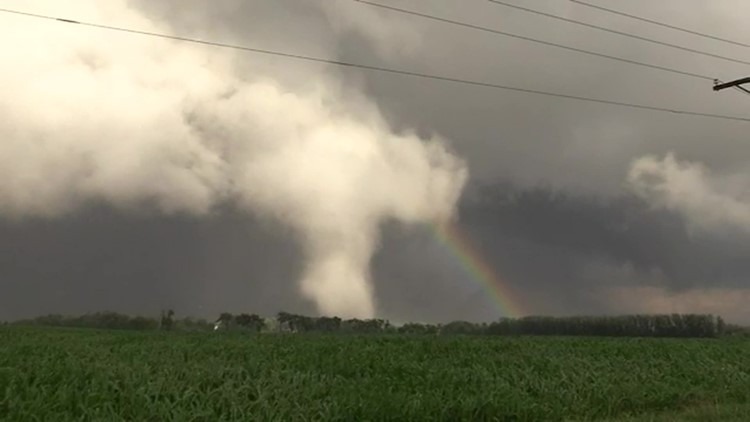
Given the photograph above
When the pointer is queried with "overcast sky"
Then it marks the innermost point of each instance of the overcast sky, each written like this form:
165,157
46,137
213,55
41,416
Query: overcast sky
580,207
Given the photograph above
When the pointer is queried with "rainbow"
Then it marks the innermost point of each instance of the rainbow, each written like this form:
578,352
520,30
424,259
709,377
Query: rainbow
503,297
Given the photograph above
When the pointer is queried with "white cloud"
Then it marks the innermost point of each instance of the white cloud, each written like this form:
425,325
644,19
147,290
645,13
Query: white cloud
134,121
706,201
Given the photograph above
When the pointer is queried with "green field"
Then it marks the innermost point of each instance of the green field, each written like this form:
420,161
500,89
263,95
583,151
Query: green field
78,374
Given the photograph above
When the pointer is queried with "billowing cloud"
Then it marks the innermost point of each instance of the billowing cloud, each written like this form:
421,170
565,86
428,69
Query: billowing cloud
135,122
706,201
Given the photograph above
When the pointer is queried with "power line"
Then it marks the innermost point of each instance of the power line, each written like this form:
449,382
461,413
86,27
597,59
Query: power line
381,69
625,34
662,24
534,40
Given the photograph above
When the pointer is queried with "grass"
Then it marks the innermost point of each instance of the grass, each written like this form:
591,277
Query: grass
69,374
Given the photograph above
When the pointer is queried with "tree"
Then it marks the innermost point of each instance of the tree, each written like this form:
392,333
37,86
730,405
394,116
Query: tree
418,328
142,323
295,323
167,319
461,327
225,320
364,325
327,324
285,320
252,322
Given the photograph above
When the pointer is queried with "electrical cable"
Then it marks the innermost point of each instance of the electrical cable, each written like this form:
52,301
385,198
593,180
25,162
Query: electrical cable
662,24
380,69
625,34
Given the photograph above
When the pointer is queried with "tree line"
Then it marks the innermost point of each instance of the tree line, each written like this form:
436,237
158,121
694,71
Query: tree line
672,325
666,325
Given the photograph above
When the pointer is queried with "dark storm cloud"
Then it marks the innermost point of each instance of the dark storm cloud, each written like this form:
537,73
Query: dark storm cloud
104,260
559,253
542,243
547,204
530,140
563,225
622,231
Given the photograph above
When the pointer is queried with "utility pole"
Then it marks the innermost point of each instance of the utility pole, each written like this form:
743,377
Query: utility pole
718,85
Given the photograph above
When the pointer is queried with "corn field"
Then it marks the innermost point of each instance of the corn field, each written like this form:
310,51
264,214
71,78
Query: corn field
59,374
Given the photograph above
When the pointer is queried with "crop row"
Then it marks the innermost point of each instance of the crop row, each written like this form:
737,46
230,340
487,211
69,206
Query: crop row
66,374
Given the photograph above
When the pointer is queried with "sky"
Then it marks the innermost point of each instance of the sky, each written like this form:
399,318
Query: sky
138,174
